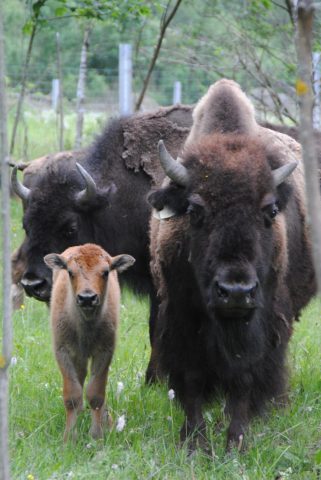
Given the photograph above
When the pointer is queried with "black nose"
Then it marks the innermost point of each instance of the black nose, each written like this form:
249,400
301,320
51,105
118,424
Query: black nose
236,296
37,287
87,299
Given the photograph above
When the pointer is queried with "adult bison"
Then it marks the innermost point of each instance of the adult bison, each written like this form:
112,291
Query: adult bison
98,196
231,261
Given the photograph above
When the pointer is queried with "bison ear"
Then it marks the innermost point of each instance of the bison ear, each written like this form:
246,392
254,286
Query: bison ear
168,202
121,263
55,261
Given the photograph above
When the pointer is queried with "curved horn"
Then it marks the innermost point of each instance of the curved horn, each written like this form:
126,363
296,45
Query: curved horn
19,189
281,173
90,192
173,169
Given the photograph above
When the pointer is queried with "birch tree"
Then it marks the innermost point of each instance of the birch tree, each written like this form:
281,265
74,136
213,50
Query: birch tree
5,355
81,88
304,88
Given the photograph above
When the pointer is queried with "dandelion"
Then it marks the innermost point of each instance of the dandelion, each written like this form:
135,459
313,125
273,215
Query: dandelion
121,422
171,394
120,388
22,306
30,477
13,361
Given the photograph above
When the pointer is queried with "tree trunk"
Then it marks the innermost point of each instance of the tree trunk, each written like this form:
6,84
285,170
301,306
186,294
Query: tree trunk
81,89
23,88
164,24
60,103
5,356
305,14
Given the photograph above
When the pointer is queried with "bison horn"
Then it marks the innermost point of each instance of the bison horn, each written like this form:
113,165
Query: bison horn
90,192
281,173
19,189
173,169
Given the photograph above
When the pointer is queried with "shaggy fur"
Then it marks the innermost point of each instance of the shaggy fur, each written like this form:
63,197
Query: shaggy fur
84,310
225,226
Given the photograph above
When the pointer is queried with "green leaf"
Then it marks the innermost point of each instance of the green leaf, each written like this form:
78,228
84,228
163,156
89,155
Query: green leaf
27,28
61,11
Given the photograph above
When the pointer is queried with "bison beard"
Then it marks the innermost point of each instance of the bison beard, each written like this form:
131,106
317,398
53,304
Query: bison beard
224,262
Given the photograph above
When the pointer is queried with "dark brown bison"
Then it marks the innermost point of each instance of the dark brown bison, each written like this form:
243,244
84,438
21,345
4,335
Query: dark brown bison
100,198
84,308
231,261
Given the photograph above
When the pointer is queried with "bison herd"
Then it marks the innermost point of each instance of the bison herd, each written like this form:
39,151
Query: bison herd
215,220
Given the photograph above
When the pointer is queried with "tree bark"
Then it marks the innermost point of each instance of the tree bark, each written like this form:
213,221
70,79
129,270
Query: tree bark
5,356
305,15
164,24
60,103
81,88
23,88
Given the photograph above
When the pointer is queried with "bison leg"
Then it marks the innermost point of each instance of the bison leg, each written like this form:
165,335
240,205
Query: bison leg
194,428
96,393
238,408
73,380
73,404
152,372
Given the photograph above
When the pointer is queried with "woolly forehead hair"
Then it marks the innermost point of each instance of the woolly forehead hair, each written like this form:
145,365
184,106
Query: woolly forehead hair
224,108
216,156
89,254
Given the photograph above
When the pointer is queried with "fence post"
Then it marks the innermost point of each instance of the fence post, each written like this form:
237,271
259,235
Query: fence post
177,92
316,58
125,79
55,87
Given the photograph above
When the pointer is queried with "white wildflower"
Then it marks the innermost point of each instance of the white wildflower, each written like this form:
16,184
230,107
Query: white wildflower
114,466
89,445
169,418
171,394
13,361
121,422
120,388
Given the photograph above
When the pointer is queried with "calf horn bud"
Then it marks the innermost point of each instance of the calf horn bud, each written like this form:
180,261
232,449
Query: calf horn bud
19,189
173,169
280,174
90,192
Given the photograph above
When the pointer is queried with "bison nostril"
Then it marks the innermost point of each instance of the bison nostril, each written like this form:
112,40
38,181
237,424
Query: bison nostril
252,290
222,292
87,299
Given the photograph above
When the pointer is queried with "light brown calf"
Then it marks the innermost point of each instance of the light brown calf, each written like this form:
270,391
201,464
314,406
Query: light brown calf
84,315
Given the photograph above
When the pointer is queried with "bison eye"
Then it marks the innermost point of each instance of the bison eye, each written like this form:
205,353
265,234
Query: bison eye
196,214
270,212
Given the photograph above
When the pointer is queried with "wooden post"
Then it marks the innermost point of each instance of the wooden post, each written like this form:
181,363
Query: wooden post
125,79
81,88
5,355
60,94
305,16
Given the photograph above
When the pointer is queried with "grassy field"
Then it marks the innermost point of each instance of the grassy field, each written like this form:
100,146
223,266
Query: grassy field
284,445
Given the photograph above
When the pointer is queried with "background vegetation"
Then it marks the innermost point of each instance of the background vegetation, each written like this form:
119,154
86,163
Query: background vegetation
250,41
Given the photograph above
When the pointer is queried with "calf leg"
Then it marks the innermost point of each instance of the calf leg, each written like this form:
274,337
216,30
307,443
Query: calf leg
238,408
96,392
73,380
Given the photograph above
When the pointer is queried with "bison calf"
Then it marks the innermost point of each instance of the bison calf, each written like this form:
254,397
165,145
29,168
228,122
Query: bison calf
84,316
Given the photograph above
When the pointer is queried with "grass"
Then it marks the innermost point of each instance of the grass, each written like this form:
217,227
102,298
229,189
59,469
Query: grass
286,444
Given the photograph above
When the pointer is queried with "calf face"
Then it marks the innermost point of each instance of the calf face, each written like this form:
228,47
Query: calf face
88,269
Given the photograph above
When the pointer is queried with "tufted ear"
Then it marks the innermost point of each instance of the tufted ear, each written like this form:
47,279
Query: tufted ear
168,202
122,262
55,261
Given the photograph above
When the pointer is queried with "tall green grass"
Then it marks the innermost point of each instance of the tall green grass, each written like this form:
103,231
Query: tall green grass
286,444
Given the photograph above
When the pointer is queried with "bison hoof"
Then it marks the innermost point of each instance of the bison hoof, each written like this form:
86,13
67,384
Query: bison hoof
235,443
